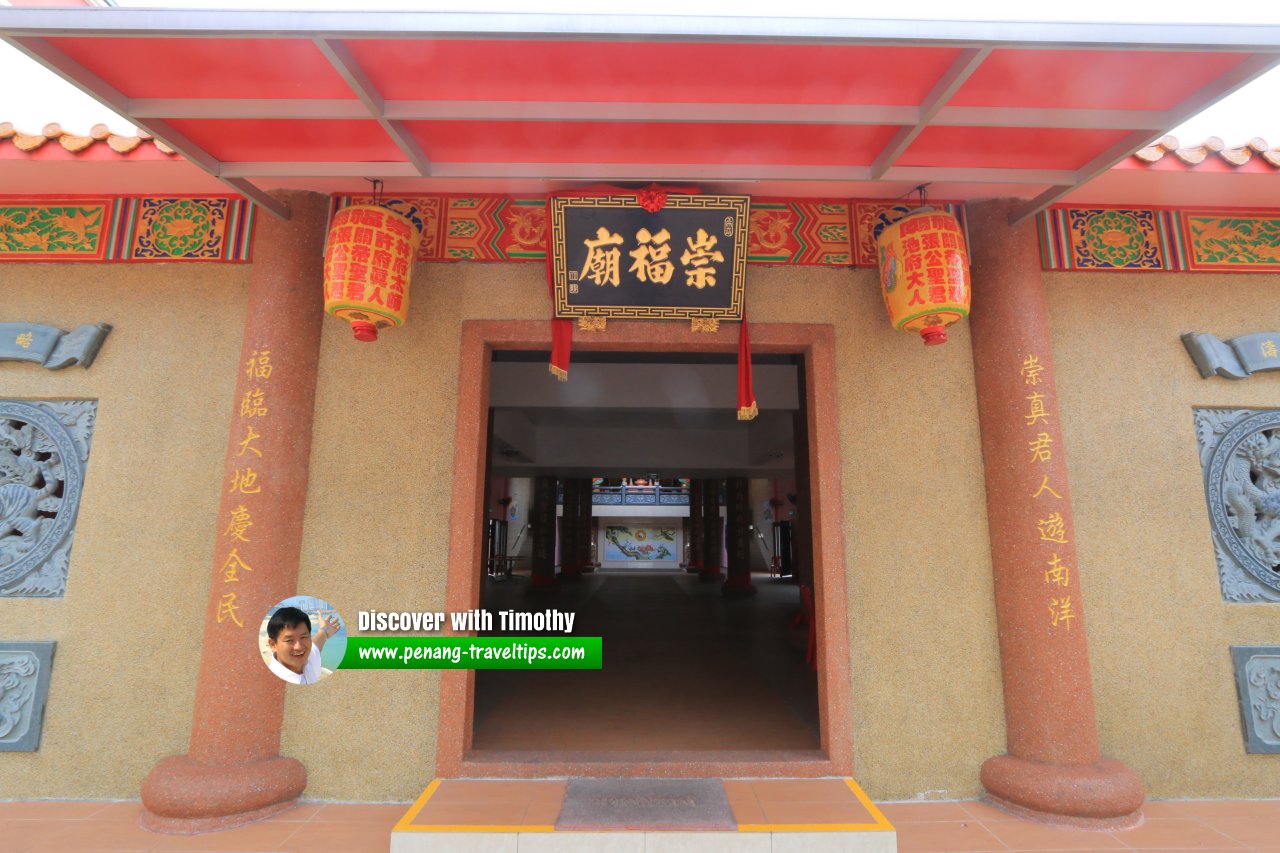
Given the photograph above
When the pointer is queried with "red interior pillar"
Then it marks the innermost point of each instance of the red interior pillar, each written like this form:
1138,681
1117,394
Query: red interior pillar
233,772
696,488
570,530
712,532
738,537
542,534
1053,765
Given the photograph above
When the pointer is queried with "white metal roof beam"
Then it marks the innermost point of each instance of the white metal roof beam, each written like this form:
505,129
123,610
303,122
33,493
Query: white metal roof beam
345,64
152,23
839,114
1248,70
950,82
94,86
644,172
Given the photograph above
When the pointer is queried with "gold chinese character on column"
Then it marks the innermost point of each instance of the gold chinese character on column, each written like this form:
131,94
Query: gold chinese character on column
239,524
1031,370
232,567
1037,413
1039,447
24,340
651,257
601,265
227,608
1060,612
247,444
245,482
259,365
254,404
1045,487
1053,528
1058,573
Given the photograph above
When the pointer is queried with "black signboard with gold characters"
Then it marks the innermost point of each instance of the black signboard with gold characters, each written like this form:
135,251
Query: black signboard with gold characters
612,258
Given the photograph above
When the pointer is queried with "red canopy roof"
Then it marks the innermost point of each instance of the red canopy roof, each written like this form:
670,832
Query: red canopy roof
529,103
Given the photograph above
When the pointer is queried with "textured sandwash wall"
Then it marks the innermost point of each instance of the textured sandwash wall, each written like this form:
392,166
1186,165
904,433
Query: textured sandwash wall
1158,628
129,627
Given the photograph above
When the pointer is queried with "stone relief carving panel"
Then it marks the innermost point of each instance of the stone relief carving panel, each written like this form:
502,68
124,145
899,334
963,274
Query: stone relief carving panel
44,447
1258,684
24,687
1240,455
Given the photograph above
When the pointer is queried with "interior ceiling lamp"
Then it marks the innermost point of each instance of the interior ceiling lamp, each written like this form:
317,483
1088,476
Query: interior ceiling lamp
368,260
924,272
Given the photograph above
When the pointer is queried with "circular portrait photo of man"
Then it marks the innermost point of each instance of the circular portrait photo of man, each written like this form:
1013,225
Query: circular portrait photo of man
302,639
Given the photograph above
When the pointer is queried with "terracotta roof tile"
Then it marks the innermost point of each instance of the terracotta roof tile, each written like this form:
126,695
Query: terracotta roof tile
1195,155
74,143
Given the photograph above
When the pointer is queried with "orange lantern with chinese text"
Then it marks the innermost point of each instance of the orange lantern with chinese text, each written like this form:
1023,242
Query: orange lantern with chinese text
924,273
368,259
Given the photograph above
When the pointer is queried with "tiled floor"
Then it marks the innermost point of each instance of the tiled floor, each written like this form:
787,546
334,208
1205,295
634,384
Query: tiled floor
87,827
1203,825
94,827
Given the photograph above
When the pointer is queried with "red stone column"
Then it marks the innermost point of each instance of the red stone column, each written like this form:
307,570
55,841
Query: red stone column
1053,766
233,772
738,538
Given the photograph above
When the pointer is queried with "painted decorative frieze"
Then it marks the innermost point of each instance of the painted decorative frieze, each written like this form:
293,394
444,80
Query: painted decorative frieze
513,228
1258,685
1240,456
805,232
44,447
1159,240
55,230
24,688
127,228
1232,241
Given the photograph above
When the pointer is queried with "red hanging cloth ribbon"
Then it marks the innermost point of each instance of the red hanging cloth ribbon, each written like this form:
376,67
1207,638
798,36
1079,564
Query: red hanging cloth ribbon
747,409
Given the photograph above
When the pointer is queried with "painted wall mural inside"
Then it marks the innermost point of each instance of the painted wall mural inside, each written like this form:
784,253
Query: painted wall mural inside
648,543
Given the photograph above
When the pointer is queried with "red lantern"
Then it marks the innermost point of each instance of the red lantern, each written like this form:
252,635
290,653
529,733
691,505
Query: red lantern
924,273
368,260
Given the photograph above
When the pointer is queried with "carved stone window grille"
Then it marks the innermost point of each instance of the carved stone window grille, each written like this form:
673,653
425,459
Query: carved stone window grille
1240,454
44,447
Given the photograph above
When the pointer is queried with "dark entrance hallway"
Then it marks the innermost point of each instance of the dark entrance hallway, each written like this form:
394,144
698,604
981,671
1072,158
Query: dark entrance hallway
684,670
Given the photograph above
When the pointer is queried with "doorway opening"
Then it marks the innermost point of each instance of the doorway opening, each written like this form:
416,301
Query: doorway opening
634,499
690,542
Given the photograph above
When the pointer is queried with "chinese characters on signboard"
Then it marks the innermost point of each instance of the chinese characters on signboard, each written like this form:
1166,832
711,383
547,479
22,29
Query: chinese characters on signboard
612,258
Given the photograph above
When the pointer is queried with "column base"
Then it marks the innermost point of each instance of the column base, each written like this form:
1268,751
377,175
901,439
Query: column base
1106,795
542,583
183,797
